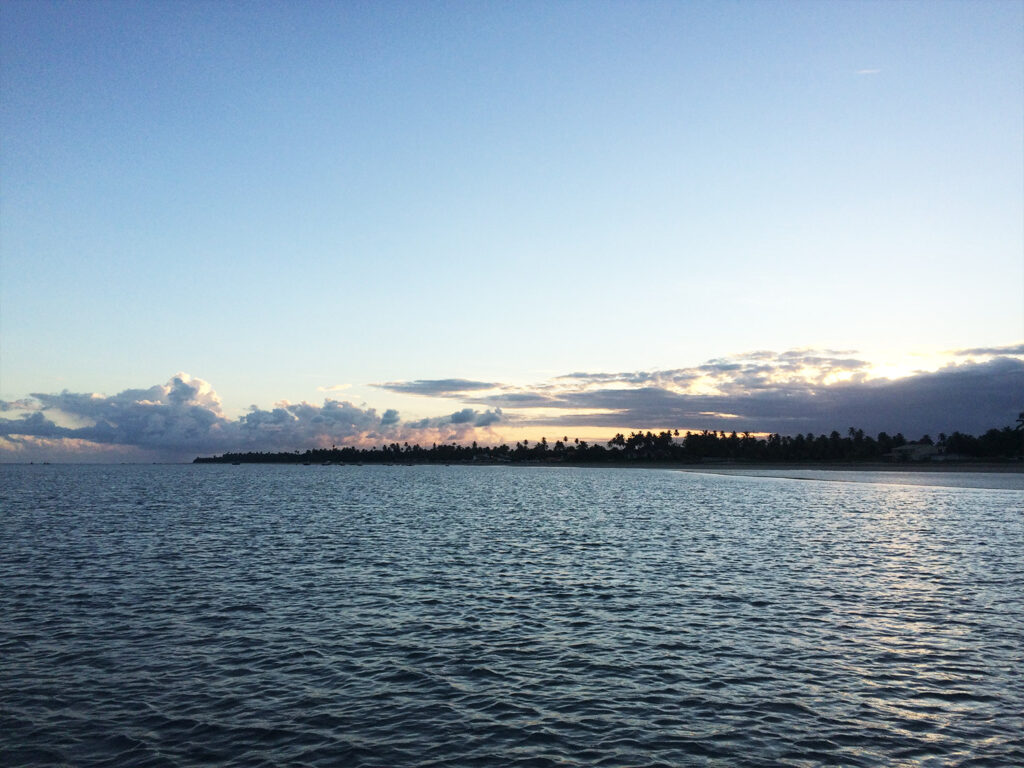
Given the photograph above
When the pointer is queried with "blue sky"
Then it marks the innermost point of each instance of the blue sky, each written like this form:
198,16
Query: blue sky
284,198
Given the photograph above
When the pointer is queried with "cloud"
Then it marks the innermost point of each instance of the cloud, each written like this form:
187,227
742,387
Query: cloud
184,412
25,404
487,418
183,418
30,448
333,388
791,392
434,387
519,400
1010,349
631,377
868,71
465,416
34,424
461,420
752,370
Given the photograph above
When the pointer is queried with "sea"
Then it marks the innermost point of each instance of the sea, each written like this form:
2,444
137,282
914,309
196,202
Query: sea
259,615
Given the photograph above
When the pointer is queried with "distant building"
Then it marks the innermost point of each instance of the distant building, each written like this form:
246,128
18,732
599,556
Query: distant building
917,452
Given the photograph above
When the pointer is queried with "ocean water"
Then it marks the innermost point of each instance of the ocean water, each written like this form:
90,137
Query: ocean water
506,616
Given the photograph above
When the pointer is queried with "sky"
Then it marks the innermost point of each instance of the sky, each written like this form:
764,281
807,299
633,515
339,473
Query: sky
229,225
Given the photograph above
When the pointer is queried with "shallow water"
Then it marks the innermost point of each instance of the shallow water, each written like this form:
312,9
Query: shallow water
1005,481
494,616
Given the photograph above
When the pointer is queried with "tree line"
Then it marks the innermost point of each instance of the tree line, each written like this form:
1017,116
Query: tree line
668,446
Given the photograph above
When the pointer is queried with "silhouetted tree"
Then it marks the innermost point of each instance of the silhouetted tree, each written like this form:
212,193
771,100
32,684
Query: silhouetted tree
1004,443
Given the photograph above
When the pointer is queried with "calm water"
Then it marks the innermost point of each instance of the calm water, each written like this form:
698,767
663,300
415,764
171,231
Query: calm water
496,616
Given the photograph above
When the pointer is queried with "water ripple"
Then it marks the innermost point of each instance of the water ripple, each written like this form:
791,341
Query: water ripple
494,616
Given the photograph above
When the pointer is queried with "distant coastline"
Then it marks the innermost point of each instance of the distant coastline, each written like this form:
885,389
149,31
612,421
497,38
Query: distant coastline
996,450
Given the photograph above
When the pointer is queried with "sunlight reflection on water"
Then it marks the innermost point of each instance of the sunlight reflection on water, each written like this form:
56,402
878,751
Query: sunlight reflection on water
937,478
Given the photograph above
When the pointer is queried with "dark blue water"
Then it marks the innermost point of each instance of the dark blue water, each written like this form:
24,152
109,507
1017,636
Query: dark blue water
497,616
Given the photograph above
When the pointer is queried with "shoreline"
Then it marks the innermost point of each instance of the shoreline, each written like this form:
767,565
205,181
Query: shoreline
872,467
715,467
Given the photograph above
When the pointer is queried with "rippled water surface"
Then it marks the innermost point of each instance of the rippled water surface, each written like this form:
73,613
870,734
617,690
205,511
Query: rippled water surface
499,616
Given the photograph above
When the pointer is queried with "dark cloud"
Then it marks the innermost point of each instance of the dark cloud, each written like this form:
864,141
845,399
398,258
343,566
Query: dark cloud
465,416
970,397
519,400
462,420
34,424
1012,349
434,387
487,418
24,404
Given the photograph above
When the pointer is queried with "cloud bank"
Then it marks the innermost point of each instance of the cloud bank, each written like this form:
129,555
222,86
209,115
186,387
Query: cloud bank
970,397
796,391
183,418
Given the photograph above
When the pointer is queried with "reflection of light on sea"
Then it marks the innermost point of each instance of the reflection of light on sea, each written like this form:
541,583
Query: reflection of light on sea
912,637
